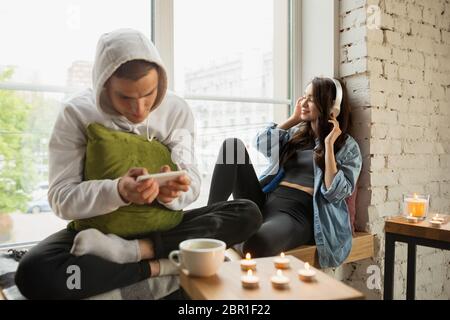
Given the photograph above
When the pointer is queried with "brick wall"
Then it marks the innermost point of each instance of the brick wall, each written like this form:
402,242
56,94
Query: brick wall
395,60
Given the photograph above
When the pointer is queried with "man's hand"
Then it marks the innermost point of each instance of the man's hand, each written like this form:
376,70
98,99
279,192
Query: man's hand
173,189
144,192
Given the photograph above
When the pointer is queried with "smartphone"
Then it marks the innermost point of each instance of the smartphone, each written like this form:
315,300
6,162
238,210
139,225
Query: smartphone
163,177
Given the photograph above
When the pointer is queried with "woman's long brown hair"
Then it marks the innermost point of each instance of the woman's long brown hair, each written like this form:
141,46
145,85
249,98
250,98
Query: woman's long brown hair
324,93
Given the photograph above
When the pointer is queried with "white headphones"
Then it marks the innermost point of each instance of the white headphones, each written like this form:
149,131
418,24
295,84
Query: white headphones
336,109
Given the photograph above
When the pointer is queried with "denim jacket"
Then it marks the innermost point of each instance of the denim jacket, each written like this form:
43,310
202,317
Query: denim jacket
332,229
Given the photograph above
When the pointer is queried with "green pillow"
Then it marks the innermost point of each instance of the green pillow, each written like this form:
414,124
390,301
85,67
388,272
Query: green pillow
109,155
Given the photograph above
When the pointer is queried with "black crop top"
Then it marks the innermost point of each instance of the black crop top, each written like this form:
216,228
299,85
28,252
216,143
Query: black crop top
299,168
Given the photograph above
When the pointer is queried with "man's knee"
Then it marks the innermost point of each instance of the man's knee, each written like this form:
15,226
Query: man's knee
28,276
36,278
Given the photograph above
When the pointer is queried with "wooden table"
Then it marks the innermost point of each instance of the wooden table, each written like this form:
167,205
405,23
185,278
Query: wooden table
226,284
421,233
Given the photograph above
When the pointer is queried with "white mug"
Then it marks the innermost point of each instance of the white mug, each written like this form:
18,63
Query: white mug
199,257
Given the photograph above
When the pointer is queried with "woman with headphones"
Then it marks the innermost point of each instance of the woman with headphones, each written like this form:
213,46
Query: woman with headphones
314,166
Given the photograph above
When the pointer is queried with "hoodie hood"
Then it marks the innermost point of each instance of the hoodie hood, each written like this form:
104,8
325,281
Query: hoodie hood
114,49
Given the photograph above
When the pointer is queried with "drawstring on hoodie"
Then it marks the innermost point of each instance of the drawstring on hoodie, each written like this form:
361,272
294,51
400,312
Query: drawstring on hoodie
130,128
150,139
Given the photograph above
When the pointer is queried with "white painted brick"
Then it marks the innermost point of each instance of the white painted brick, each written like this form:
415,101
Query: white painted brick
429,16
353,67
375,67
353,35
405,161
437,77
400,56
397,103
376,50
395,193
378,99
444,161
424,45
442,49
414,12
416,59
431,63
443,61
357,51
386,86
383,116
419,106
391,71
417,90
387,21
408,73
349,5
426,31
414,133
446,36
379,162
395,7
413,176
437,92
417,147
388,209
440,121
413,120
385,147
355,18
402,25
395,132
378,195
384,177
432,188
379,131
375,35
394,38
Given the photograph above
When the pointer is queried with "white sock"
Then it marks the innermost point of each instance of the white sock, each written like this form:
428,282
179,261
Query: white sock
107,246
166,267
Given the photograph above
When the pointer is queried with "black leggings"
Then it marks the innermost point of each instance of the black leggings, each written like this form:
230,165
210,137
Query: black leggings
43,271
287,212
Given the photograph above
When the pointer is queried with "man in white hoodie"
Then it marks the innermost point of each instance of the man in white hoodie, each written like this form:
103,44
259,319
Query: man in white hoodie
129,94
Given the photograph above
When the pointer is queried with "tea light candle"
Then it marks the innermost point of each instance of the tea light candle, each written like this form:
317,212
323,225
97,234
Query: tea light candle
249,281
438,218
437,221
412,219
248,263
306,274
281,262
280,281
416,206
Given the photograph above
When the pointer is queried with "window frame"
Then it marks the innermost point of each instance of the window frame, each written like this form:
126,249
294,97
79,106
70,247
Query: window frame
162,35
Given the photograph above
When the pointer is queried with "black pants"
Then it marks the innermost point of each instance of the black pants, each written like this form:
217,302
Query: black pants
43,271
287,212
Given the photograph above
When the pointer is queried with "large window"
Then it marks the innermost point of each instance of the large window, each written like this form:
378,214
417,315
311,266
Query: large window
47,52
228,58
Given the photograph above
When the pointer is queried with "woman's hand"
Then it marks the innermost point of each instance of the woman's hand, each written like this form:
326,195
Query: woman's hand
334,134
296,116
